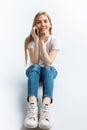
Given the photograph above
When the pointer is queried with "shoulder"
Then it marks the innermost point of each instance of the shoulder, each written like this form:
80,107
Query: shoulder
53,39
54,42
31,44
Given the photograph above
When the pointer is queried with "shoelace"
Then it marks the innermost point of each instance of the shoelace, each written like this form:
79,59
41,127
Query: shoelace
45,113
32,113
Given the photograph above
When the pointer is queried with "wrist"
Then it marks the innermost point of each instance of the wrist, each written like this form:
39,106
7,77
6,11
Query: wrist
37,41
42,42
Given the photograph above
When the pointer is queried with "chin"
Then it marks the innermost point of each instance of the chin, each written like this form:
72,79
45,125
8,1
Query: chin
43,33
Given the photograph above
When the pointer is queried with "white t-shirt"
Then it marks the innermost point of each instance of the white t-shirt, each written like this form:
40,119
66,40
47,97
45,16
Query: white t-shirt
51,43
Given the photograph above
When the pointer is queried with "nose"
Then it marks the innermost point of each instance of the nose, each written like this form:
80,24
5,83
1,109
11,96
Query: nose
42,23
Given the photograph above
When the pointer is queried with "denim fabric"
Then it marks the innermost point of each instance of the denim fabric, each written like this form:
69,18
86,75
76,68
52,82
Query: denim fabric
37,74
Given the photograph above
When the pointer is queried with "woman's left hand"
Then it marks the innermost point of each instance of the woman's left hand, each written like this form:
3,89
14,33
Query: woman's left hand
44,38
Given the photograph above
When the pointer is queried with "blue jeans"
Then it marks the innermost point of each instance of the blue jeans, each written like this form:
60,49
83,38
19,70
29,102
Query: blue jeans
37,74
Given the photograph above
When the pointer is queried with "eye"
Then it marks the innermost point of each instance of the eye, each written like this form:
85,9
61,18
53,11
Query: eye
45,21
38,22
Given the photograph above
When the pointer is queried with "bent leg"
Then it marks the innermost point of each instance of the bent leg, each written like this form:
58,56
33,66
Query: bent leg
33,73
48,75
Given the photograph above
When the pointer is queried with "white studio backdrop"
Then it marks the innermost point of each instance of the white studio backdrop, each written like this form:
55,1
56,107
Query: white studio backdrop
69,19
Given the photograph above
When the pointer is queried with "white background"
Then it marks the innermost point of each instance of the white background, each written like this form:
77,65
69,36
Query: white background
69,19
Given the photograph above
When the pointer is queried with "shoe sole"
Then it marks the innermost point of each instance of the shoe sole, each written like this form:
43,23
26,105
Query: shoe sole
44,127
30,126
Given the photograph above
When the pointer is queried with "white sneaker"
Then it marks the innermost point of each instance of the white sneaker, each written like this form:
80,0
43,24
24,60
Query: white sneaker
31,119
45,119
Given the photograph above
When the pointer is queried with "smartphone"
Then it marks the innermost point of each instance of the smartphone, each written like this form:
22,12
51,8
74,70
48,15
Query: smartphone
37,31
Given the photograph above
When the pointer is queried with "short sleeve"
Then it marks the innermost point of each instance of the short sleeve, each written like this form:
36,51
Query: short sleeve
31,45
55,44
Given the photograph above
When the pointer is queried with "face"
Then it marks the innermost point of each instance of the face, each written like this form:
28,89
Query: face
43,24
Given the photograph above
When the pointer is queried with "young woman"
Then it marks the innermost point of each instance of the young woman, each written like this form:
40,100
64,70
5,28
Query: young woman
42,48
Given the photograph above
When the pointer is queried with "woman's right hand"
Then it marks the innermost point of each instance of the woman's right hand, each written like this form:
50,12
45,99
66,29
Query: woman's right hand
34,35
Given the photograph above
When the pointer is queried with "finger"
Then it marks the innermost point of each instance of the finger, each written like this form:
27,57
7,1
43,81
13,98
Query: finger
34,28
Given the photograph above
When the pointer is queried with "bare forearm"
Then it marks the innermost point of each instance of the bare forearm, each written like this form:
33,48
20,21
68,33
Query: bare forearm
44,55
36,54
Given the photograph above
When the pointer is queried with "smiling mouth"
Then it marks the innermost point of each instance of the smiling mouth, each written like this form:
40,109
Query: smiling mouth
42,29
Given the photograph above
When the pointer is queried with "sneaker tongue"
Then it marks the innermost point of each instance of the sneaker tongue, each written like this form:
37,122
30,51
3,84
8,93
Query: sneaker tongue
31,103
46,104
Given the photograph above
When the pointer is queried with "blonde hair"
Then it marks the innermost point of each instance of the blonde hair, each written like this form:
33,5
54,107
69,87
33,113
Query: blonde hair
30,38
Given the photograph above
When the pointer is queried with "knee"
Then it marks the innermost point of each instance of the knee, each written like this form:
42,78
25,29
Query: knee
33,69
46,70
50,70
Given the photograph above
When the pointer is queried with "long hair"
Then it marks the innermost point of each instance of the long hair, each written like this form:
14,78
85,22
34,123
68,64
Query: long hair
30,38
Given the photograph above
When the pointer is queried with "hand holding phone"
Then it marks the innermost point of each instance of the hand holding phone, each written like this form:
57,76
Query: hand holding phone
37,31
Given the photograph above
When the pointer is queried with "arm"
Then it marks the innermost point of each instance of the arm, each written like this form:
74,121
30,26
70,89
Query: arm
34,54
47,58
